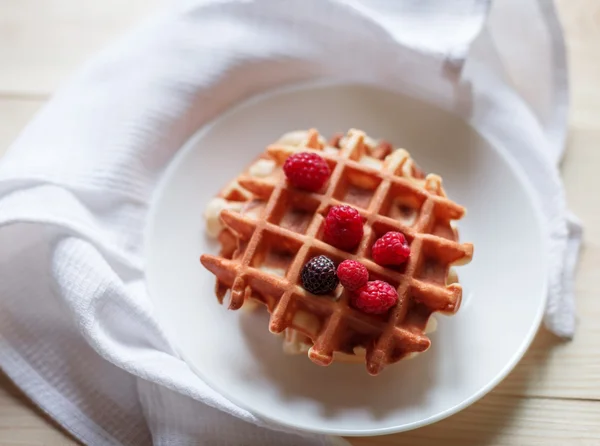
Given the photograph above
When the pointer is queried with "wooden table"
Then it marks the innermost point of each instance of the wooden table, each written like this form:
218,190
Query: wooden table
552,397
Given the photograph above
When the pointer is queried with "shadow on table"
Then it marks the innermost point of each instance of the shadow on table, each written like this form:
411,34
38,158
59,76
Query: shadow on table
483,422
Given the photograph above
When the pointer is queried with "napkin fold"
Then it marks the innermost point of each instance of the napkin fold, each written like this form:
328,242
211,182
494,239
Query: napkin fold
78,333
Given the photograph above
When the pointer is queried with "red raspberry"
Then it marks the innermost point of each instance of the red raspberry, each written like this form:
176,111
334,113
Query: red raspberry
375,297
307,171
352,274
391,249
343,227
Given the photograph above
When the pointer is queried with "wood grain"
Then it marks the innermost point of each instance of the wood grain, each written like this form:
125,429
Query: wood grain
506,421
14,115
553,395
22,423
42,41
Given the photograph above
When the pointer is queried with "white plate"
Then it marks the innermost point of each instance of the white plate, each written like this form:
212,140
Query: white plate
504,286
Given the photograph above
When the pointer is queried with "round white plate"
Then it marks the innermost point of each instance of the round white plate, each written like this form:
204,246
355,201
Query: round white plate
233,352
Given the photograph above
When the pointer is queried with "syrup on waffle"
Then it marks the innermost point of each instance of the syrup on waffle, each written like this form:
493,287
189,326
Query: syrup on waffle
267,242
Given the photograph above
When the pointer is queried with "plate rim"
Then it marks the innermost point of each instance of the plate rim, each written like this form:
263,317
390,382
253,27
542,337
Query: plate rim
513,165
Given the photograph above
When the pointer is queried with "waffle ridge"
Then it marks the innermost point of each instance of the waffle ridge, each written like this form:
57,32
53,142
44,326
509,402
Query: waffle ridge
421,287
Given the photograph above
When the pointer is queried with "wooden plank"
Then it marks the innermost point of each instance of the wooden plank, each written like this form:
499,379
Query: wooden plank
498,420
581,24
21,423
43,41
14,115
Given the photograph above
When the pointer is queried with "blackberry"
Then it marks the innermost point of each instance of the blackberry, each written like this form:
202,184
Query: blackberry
319,275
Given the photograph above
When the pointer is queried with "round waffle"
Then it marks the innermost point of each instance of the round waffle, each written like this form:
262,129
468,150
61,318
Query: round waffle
267,240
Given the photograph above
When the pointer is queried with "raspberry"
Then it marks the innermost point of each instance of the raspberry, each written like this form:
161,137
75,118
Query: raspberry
343,227
376,297
307,171
352,274
391,249
318,275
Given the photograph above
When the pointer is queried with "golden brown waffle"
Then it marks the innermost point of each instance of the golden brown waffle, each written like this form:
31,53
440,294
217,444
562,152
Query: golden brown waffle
280,229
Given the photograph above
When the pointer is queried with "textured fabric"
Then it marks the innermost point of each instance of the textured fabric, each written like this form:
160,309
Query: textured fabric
77,331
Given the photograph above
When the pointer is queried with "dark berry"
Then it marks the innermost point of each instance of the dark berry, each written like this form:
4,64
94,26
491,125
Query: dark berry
318,275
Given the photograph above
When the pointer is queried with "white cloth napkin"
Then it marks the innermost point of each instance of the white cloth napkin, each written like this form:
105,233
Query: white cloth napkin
77,331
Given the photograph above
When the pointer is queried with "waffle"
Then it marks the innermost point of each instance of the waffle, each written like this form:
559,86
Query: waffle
273,234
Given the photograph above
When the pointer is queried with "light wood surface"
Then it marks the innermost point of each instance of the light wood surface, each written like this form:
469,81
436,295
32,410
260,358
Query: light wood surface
551,398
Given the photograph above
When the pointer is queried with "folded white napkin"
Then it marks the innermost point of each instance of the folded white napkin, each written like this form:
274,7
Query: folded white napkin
77,331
